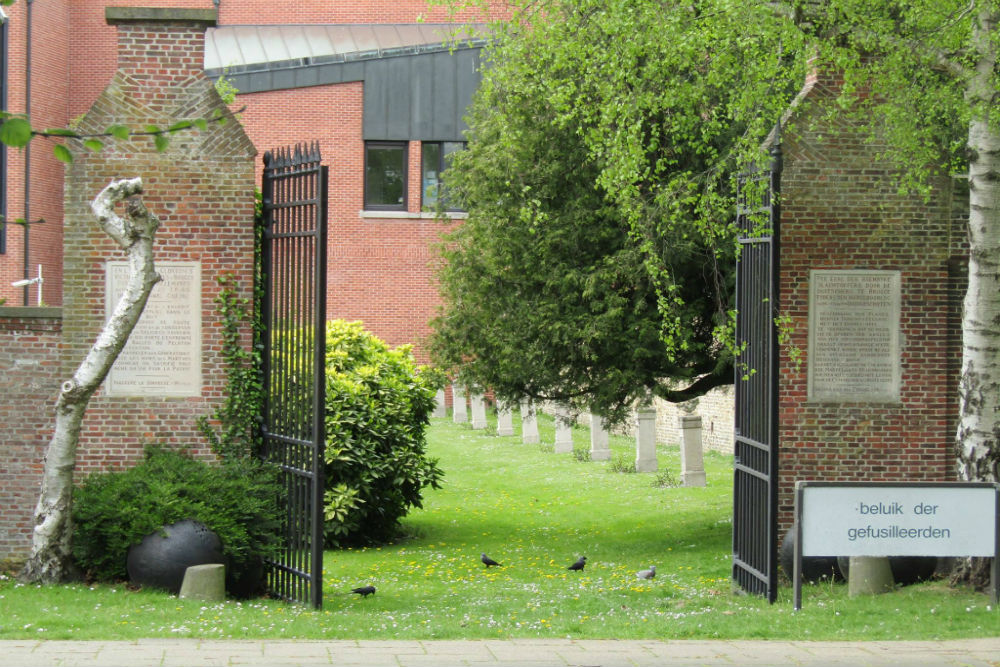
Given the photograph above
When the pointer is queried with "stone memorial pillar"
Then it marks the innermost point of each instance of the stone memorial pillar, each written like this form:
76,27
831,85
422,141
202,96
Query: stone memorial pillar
564,431
599,449
478,407
505,419
645,439
459,412
692,461
440,409
529,424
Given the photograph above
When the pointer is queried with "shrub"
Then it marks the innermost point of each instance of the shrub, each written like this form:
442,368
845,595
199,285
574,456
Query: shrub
378,406
238,500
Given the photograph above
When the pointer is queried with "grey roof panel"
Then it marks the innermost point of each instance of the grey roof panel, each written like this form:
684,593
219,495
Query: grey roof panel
245,48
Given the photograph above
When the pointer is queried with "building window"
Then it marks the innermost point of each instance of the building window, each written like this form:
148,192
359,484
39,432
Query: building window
385,175
435,157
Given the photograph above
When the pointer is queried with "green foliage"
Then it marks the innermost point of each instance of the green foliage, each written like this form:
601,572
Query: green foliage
227,91
238,414
17,131
115,510
563,284
621,462
378,406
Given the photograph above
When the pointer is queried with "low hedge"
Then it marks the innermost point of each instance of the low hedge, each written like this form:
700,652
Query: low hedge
238,500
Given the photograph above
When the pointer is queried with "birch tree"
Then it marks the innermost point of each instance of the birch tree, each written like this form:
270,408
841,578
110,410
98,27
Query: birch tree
134,233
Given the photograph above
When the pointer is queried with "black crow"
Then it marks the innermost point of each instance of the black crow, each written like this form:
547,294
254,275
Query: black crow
578,565
487,561
364,591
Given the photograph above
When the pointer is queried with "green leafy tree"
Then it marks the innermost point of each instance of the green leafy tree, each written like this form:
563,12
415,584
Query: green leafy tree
547,293
646,83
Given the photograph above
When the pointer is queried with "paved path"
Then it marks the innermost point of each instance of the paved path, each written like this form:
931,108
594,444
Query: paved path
498,653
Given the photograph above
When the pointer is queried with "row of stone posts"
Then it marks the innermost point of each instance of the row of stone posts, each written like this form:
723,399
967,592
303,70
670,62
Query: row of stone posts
692,464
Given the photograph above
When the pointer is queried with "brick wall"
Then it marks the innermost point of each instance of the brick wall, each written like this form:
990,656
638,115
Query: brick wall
841,210
29,382
380,268
201,188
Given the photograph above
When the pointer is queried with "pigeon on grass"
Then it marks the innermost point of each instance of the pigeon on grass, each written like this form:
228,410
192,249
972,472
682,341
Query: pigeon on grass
647,574
578,565
488,562
364,591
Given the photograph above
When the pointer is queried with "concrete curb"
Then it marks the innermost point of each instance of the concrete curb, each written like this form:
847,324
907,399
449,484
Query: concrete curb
487,653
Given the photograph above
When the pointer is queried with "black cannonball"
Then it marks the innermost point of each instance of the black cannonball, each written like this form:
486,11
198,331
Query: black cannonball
814,568
160,560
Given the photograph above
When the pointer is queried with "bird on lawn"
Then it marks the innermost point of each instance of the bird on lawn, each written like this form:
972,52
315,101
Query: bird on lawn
364,591
578,565
647,574
488,562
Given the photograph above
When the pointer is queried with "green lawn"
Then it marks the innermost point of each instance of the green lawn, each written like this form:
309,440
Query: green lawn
535,512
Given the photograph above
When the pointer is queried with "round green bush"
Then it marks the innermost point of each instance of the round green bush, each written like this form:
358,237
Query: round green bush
238,500
378,406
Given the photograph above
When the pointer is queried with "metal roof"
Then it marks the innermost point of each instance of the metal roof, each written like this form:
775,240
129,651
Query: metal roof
248,48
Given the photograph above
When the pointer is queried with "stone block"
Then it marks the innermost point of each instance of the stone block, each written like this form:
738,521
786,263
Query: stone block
459,411
692,459
505,419
869,575
529,424
205,582
599,448
645,439
564,431
478,409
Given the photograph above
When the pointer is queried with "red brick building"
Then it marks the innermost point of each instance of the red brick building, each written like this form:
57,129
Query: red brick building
87,65
328,75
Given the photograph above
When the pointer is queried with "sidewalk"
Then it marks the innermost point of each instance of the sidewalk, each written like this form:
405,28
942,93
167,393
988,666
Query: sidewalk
499,653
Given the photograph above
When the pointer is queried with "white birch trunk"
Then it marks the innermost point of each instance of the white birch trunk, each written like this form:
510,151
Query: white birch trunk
50,552
978,437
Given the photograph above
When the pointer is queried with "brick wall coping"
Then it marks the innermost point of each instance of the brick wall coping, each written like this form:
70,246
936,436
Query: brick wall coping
31,312
114,15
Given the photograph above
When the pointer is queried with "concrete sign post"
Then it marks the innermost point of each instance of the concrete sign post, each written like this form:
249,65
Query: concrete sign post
896,519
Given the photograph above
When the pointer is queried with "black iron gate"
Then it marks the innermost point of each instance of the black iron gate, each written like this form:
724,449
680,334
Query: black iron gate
755,483
293,272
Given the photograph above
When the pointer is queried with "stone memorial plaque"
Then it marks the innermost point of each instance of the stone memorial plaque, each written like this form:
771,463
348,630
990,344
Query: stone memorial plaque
854,350
163,355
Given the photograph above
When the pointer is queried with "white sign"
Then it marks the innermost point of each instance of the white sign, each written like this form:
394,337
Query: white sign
898,519
163,355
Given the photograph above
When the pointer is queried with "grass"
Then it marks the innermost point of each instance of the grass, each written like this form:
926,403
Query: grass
535,512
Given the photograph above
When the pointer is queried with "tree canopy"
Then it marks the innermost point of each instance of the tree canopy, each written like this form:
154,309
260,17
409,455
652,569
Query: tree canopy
596,262
548,297
669,99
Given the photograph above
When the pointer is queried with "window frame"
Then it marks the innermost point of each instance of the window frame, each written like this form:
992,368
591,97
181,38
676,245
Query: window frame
385,145
441,166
